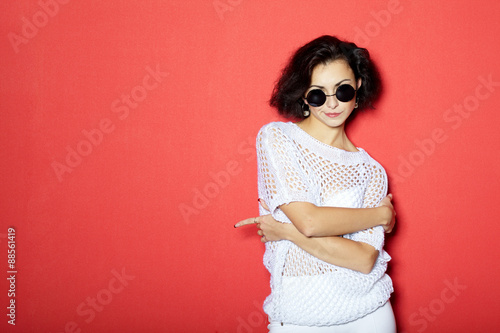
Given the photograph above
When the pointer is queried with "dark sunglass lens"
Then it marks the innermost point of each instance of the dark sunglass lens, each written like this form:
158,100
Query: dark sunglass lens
316,97
345,93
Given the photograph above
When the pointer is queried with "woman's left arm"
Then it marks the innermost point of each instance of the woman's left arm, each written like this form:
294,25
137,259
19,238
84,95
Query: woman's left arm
339,251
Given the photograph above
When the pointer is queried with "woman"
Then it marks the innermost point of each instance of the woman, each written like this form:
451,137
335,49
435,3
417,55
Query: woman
324,208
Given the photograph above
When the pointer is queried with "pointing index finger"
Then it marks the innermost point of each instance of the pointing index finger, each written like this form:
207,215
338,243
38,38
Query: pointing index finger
251,220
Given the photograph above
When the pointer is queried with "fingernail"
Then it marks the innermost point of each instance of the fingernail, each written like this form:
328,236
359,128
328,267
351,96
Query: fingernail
258,199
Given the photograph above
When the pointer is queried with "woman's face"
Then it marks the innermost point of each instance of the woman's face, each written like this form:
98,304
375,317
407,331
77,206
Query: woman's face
328,78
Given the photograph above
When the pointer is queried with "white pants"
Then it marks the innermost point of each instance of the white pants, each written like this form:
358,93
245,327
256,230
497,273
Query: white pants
380,321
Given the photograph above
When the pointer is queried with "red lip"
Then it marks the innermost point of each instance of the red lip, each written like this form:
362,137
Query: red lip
333,114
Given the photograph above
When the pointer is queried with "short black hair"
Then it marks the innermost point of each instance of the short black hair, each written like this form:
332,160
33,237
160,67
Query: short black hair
296,76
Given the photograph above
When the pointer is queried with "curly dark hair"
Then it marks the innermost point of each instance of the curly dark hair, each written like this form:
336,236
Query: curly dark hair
296,76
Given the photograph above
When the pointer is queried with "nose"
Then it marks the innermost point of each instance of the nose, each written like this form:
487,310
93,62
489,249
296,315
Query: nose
331,101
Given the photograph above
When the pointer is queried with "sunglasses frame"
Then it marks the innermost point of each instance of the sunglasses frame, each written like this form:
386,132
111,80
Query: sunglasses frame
335,94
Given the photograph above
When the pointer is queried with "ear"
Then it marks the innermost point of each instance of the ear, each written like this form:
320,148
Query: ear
359,83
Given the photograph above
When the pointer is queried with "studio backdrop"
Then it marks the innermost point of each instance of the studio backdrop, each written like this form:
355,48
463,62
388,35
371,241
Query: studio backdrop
128,153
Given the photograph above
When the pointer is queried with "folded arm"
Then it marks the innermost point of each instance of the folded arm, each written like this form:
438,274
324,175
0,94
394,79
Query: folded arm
356,255
314,221
338,251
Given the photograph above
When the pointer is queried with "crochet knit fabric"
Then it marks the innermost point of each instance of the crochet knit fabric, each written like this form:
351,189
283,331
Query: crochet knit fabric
294,166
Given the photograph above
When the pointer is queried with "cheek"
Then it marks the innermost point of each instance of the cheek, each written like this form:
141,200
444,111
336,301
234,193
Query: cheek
350,105
315,110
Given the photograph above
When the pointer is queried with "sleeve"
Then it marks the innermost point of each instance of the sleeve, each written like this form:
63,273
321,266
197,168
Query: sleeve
375,192
281,176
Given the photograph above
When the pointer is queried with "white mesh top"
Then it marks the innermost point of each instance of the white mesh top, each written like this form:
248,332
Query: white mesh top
294,166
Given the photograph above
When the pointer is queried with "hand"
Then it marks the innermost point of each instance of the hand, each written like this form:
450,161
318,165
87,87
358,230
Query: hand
269,229
390,218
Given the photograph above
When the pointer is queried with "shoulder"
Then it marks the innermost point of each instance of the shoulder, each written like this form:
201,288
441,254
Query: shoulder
276,126
274,130
277,137
374,163
370,158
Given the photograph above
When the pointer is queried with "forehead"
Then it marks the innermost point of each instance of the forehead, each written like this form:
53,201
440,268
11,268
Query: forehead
332,72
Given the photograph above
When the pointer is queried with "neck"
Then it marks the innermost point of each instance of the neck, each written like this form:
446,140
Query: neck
333,136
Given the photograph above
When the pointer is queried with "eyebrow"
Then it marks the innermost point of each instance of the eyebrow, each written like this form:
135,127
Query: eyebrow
338,84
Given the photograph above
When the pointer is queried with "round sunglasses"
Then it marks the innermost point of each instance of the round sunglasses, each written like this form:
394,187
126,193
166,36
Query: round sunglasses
317,97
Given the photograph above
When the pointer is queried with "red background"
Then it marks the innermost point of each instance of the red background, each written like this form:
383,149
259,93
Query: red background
157,193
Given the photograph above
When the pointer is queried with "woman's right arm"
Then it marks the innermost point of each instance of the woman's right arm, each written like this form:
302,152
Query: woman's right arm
314,221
